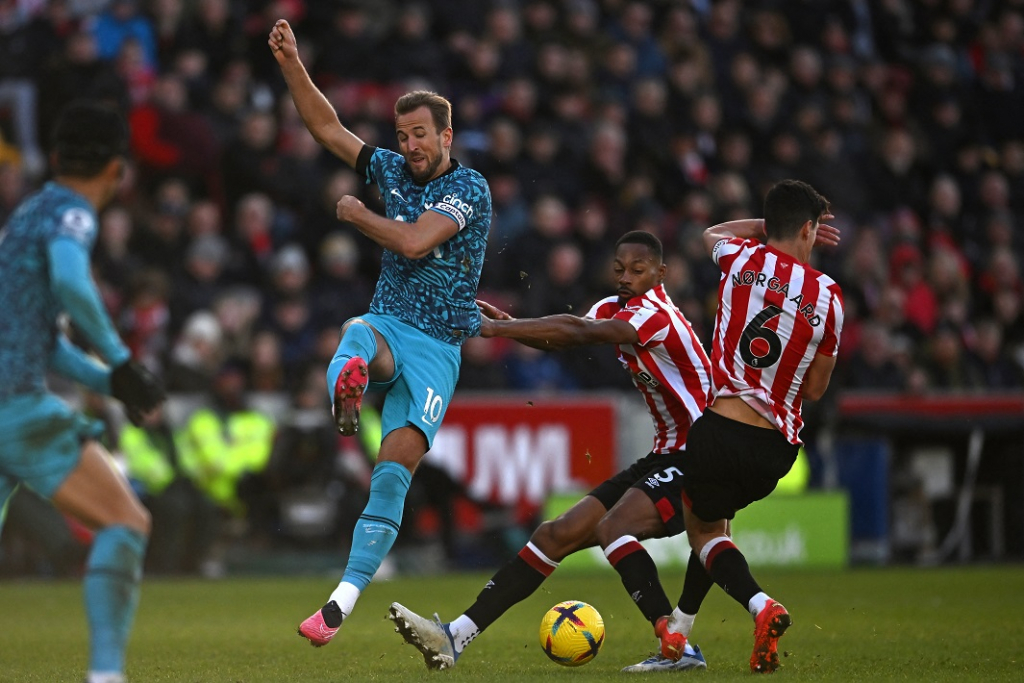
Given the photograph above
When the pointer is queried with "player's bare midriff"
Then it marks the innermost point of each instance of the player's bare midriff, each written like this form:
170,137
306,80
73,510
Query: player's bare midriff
735,408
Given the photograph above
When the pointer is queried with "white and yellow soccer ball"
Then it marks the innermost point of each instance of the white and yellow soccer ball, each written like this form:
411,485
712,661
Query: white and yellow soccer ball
571,633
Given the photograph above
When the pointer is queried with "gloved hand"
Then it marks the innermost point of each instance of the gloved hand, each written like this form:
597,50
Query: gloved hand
137,388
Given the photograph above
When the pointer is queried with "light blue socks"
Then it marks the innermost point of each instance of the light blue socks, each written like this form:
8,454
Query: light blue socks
111,589
377,527
358,340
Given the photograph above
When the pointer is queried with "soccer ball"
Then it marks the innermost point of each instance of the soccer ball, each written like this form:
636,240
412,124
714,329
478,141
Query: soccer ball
571,633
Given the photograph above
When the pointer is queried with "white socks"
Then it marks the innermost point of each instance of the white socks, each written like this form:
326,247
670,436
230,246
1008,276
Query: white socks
757,604
104,677
463,632
345,595
680,622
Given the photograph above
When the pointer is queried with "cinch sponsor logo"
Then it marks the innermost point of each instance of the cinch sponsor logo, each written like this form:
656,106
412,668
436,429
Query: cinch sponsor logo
458,204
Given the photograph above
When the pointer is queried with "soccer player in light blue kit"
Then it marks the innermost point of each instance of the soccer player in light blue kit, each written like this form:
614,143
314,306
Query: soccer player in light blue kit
47,446
424,308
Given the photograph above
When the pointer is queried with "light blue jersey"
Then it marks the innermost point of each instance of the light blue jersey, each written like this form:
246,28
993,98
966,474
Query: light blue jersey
44,272
54,216
437,293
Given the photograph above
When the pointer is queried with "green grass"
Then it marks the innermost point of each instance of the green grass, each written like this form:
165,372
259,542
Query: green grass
893,624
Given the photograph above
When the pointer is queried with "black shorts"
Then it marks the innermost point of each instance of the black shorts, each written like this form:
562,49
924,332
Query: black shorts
659,476
729,465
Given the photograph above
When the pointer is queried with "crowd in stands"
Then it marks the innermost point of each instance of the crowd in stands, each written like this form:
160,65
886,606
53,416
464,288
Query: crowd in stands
589,118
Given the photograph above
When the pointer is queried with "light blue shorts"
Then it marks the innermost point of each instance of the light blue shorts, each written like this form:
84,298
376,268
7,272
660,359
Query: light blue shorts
41,444
426,371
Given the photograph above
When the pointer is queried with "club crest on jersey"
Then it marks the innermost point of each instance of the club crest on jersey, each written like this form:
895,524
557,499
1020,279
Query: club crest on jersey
77,223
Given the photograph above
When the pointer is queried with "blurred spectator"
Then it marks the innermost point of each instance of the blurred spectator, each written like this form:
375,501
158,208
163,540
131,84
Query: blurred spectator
196,354
559,287
202,277
237,309
184,519
144,322
412,51
23,44
113,260
290,318
906,268
214,30
123,21
222,442
77,73
872,366
170,138
160,238
529,369
989,360
946,364
338,292
249,163
550,224
266,370
254,237
289,272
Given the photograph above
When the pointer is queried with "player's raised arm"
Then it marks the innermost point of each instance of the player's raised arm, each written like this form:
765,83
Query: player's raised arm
316,112
747,228
560,331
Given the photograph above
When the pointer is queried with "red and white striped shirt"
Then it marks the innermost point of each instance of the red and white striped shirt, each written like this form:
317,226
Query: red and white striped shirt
668,364
774,315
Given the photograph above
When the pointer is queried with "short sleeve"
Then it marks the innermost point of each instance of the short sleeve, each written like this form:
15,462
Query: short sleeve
78,224
829,345
651,324
726,250
466,196
366,154
375,161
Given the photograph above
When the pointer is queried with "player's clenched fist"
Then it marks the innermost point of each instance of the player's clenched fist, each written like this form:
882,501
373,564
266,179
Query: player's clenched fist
349,207
282,42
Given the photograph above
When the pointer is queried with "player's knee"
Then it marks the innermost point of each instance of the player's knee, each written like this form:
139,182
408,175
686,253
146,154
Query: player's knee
139,519
549,537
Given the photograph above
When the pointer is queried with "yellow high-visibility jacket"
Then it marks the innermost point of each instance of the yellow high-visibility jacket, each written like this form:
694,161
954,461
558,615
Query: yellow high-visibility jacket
217,450
149,455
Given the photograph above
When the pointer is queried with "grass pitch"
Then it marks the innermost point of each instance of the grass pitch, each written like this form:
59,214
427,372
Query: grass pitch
945,624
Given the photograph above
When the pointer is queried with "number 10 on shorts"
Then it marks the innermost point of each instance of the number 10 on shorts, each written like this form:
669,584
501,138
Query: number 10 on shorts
433,407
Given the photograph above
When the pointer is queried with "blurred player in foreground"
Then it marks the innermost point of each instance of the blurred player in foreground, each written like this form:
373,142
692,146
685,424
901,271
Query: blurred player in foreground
775,342
670,369
47,446
408,345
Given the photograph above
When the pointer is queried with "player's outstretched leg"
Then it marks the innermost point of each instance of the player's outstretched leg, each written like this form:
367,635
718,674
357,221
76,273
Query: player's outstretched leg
372,538
348,395
692,658
431,637
348,374
769,625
